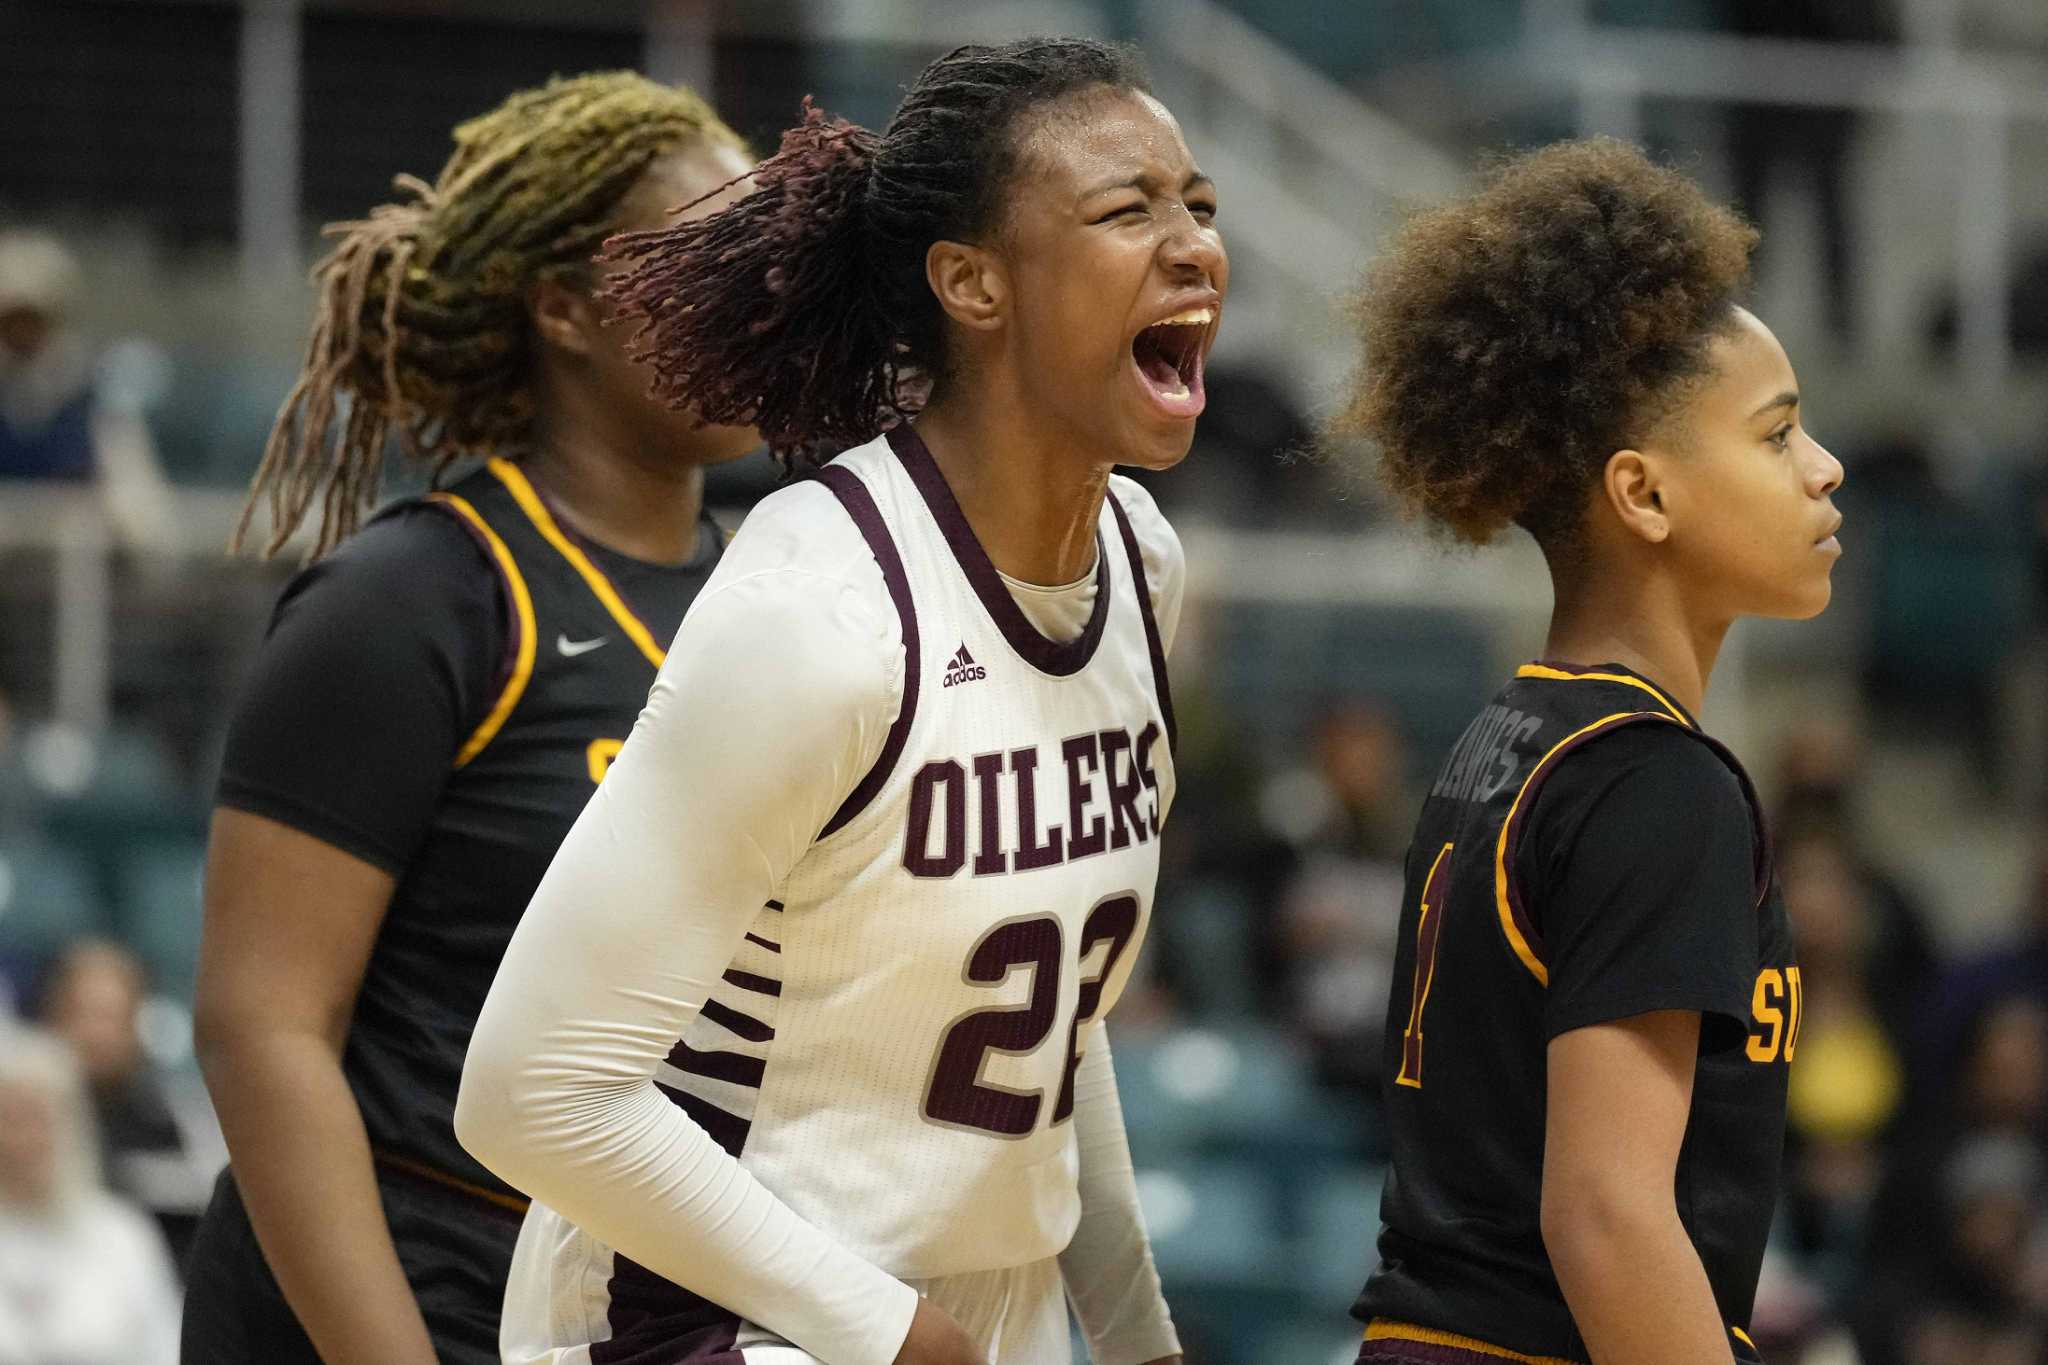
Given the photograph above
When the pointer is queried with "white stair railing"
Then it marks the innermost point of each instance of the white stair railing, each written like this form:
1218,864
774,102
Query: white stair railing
1310,177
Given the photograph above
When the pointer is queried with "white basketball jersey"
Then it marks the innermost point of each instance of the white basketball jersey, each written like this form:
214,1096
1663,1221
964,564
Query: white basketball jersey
892,1052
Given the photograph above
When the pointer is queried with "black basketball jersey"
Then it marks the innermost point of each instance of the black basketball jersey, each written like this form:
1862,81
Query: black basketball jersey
577,665
1503,946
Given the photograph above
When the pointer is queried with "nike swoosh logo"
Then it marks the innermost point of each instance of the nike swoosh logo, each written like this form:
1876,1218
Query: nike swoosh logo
571,648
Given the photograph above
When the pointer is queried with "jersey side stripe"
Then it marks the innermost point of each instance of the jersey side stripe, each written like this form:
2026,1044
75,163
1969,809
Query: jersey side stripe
751,981
522,624
736,1067
728,1130
739,1025
1515,923
1152,642
537,512
853,495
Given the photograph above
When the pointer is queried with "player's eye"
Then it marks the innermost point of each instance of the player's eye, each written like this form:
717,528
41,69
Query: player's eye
1204,210
1782,437
1122,211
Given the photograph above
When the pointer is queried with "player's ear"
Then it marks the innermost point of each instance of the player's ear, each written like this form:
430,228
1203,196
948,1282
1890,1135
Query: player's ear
563,316
969,283
1633,485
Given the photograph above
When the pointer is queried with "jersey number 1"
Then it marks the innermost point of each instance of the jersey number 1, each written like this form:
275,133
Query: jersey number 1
957,1095
1428,928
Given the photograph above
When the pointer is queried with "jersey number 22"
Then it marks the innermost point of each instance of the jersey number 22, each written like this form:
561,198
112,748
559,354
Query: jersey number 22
957,1095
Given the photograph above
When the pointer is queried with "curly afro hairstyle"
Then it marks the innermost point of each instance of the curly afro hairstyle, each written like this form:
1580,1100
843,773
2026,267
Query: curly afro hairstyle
1516,338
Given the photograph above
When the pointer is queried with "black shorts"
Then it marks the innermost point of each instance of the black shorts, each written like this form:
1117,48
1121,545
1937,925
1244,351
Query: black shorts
456,1250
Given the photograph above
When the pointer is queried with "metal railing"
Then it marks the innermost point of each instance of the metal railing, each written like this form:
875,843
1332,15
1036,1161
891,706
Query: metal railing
1312,178
1610,73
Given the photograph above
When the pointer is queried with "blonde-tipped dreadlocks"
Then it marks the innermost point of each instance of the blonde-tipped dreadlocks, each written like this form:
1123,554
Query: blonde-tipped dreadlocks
422,315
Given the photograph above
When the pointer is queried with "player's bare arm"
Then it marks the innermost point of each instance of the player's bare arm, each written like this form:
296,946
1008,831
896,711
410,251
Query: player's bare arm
1620,1094
271,1016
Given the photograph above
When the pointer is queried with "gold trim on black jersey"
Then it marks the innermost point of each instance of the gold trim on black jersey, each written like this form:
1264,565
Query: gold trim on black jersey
420,1170
1511,919
522,606
1562,675
537,512
1385,1329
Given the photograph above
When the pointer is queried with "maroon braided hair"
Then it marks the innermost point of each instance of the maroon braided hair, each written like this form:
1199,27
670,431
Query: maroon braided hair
803,309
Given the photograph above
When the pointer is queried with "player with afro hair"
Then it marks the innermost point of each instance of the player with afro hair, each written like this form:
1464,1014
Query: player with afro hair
1591,928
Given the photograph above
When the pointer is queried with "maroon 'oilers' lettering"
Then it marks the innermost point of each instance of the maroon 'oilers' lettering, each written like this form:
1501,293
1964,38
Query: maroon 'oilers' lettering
1107,774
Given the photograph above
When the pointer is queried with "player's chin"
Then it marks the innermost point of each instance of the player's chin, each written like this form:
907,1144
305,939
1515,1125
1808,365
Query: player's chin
1154,440
1802,599
1160,450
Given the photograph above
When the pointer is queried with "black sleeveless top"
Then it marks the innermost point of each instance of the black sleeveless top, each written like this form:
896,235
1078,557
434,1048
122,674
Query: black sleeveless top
440,697
1586,854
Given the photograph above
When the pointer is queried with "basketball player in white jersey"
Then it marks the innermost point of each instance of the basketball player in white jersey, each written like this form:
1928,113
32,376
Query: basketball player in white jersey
800,1047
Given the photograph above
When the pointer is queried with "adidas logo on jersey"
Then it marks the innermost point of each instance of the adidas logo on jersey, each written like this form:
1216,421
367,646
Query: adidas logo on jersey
961,668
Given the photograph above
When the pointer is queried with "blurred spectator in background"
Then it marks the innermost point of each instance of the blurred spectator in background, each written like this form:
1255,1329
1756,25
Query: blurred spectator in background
1766,142
2014,968
1954,1272
1344,815
1849,1081
1981,1304
93,1001
84,1278
65,416
1819,772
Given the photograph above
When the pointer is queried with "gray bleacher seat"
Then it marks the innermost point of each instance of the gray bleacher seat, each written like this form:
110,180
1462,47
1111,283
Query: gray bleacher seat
1275,664
48,897
1339,1214
159,886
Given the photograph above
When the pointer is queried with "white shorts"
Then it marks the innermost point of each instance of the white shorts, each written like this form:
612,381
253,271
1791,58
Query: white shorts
570,1301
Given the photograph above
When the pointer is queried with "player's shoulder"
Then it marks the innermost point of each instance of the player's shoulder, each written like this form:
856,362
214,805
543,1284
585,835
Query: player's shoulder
1655,772
1154,532
801,567
801,529
414,534
799,597
1158,544
413,552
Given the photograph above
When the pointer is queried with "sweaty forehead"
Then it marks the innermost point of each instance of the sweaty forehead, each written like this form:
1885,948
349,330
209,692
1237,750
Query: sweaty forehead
1101,137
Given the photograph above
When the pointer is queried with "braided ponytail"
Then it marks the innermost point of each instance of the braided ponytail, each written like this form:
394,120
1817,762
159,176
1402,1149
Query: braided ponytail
781,331
421,320
803,310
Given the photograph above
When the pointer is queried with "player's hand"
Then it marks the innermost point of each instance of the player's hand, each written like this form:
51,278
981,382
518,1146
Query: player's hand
935,1339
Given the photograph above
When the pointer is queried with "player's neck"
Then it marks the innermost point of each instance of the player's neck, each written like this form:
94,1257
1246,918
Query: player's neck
1032,501
1640,622
613,491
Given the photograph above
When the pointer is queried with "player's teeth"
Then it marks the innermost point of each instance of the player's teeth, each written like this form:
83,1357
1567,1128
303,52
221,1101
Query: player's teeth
1190,317
1179,390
